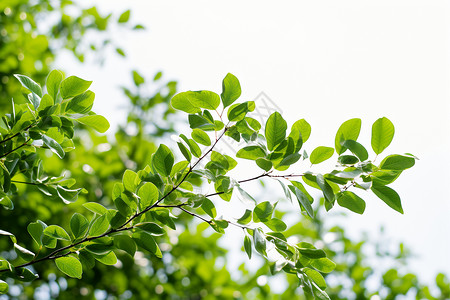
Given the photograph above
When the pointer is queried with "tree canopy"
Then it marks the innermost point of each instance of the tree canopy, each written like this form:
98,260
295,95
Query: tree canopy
139,216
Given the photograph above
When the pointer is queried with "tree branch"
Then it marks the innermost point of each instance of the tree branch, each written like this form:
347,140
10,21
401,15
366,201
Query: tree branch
9,152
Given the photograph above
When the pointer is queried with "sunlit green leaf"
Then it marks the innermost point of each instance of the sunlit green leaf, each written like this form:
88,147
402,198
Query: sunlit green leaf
382,134
124,17
275,131
81,104
351,201
125,243
357,149
397,162
231,90
147,242
53,145
324,265
53,82
389,196
321,154
251,152
99,226
70,266
30,85
73,86
23,253
248,246
163,160
349,130
201,137
95,208
99,123
79,225
56,232
148,193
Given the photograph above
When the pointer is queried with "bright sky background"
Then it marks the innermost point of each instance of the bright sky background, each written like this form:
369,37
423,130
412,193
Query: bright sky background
325,61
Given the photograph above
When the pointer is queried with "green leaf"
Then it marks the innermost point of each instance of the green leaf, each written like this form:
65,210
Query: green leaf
195,149
23,253
79,225
56,232
137,78
324,265
357,149
109,259
73,86
349,130
248,246
397,162
53,145
70,266
259,241
95,208
312,253
124,17
6,202
24,274
149,194
303,127
348,159
99,123
209,208
182,102
264,164
3,287
289,160
251,152
246,217
129,180
36,229
276,225
351,201
201,137
325,187
53,82
67,195
34,99
100,226
303,200
319,294
163,160
196,121
151,227
316,277
262,211
286,191
185,151
192,101
46,102
382,134
275,130
81,104
238,111
321,154
147,242
231,90
389,196
125,243
30,85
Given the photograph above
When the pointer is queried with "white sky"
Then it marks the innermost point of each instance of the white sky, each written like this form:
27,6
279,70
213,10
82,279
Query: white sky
325,61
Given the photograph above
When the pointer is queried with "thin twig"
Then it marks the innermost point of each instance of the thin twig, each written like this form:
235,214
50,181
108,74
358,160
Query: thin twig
9,152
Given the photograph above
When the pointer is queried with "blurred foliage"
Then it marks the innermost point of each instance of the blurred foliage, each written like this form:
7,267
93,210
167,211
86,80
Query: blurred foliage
193,264
34,32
